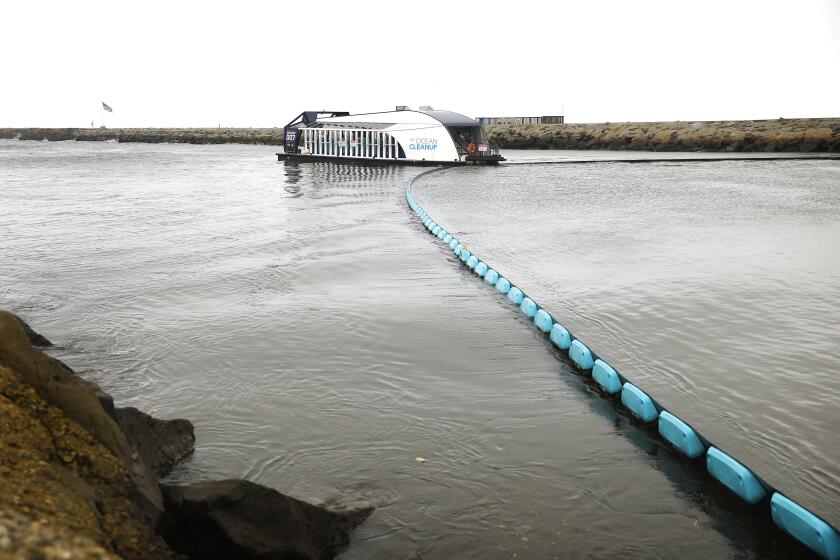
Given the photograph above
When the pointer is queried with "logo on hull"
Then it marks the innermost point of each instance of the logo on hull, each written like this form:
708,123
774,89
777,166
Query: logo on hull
423,144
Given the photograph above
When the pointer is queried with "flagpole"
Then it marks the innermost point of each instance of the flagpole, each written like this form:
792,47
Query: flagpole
102,118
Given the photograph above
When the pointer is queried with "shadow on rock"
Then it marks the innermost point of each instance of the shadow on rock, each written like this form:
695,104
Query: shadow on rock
162,444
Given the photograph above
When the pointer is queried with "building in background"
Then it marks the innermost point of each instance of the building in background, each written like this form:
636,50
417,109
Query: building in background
549,119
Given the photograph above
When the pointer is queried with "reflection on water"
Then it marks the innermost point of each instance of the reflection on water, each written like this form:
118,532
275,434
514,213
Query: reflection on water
293,174
320,341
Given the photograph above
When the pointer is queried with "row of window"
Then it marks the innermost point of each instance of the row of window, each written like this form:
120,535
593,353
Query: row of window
349,143
552,119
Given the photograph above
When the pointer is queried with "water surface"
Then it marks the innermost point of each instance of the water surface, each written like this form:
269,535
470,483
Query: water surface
321,341
714,286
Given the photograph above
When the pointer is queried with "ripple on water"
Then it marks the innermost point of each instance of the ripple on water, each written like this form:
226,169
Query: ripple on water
708,284
320,341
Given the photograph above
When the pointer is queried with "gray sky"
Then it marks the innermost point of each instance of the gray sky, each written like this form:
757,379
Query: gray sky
181,63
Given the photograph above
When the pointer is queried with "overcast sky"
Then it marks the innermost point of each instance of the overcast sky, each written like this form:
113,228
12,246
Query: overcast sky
180,63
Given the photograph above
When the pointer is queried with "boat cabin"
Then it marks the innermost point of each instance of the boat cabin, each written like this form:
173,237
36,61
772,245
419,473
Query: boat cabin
401,137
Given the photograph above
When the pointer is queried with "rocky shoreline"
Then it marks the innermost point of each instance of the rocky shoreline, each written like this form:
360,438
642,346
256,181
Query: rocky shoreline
271,136
79,478
780,135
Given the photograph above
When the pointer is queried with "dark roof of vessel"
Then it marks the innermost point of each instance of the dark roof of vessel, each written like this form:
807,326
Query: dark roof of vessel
451,118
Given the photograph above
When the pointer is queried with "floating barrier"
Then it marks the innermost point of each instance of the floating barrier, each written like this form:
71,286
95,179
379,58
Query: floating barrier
801,524
560,337
806,527
543,321
528,307
680,435
604,375
581,355
638,402
734,475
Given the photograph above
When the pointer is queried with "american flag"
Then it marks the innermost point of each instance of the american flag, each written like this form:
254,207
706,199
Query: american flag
107,107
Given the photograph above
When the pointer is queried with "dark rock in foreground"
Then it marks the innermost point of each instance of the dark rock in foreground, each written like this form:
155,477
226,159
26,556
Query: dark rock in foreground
32,539
79,401
161,443
240,519
65,464
78,478
35,339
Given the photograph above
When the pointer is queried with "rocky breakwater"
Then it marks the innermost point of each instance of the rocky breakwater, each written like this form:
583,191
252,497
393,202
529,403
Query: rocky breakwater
79,478
782,135
272,136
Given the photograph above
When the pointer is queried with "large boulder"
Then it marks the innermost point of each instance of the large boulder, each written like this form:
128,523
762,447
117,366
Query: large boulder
162,444
23,537
35,339
240,519
56,384
55,472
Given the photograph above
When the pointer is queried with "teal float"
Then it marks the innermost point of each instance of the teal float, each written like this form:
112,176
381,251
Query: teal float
560,337
481,269
638,402
528,307
805,527
515,295
734,475
580,355
491,277
543,321
606,377
472,262
680,435
503,285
